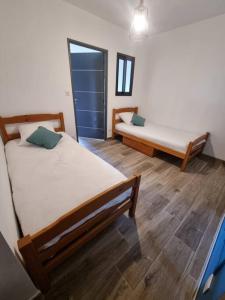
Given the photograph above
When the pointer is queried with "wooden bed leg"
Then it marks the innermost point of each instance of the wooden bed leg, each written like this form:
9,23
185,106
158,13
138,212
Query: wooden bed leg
152,152
186,158
134,196
33,264
183,165
113,123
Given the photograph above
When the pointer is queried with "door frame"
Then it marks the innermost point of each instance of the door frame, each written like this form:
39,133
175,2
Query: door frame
105,53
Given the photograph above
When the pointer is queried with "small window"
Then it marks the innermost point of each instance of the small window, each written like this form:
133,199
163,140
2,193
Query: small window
124,75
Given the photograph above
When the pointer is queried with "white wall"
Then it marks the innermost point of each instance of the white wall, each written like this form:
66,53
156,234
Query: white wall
8,225
34,73
185,80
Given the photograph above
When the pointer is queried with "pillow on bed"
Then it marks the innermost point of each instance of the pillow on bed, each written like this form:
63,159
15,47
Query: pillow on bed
126,117
26,130
44,138
138,120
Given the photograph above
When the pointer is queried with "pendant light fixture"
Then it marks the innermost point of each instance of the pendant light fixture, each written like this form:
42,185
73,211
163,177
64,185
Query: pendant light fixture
139,26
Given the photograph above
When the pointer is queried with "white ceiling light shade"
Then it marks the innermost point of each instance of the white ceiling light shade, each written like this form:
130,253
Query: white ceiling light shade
139,26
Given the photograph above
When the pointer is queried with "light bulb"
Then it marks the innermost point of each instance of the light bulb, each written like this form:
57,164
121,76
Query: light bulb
140,23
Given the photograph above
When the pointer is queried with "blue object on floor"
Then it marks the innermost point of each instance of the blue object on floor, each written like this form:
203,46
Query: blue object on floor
216,266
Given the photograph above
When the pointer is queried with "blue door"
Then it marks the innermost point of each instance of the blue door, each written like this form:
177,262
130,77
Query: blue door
215,270
88,83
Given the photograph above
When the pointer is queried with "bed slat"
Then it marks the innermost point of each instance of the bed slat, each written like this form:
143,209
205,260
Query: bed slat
77,232
193,154
87,237
77,214
197,147
202,138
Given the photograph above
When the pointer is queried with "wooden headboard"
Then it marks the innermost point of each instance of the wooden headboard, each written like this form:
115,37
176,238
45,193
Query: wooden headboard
116,111
4,121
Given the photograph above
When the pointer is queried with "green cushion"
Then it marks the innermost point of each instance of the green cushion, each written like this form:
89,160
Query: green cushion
44,138
138,120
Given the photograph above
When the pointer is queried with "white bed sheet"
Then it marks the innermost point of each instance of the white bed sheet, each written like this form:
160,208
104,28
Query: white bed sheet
166,136
49,183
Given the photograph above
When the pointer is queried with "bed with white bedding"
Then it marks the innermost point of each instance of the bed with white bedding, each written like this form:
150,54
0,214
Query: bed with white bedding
52,182
151,137
166,136
63,197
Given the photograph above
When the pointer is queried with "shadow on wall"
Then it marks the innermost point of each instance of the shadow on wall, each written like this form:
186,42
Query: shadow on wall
209,147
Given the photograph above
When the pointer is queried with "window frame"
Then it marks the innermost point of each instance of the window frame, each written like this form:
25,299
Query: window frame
125,58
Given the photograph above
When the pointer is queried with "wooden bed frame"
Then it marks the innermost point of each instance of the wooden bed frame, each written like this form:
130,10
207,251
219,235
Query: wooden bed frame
40,261
149,148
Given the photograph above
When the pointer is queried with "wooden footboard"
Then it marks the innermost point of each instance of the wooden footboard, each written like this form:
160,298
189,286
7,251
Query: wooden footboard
194,148
40,260
149,148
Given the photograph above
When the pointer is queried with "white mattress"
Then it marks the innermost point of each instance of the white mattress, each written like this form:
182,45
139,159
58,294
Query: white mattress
49,183
168,137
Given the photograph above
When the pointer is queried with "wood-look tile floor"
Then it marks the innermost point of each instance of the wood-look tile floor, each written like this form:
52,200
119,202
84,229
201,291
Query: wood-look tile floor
161,253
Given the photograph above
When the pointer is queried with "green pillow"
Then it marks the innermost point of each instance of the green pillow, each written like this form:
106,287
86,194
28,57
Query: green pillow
44,138
138,120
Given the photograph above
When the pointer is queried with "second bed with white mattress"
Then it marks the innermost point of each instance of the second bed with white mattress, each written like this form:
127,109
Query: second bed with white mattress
165,136
49,183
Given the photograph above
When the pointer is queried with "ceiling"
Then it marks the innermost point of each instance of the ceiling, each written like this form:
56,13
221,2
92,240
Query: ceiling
164,15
